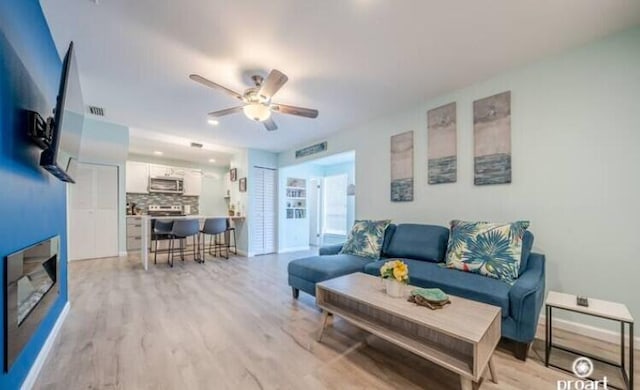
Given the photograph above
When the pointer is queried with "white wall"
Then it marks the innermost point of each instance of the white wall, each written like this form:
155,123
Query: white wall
212,200
108,144
240,200
575,157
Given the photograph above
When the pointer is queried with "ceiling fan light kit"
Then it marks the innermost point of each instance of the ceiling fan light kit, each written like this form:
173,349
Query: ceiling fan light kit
257,100
257,112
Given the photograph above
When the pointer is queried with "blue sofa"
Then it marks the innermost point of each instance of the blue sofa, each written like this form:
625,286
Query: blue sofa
423,248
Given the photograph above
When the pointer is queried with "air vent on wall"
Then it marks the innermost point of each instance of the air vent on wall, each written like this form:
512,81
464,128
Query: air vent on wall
94,110
196,145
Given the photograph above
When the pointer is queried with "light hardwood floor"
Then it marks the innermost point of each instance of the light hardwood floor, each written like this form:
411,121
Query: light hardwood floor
232,324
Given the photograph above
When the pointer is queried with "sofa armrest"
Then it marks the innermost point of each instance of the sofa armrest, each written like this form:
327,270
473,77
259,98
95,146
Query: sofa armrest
527,294
330,250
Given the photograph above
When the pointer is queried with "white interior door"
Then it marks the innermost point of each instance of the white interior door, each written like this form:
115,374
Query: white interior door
264,236
93,212
314,211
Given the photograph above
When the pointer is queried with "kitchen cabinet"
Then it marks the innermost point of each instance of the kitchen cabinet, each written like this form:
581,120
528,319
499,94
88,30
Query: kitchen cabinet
192,182
166,171
134,233
159,170
137,177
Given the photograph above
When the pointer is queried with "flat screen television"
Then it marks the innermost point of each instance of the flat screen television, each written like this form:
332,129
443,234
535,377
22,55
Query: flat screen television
66,132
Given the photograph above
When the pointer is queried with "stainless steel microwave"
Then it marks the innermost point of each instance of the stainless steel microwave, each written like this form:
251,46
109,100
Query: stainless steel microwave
169,185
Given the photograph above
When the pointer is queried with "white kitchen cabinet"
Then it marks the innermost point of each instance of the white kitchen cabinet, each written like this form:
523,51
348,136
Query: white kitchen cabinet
178,172
192,182
137,177
166,171
160,170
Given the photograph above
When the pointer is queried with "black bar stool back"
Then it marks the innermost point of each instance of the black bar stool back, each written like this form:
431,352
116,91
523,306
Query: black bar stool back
160,230
229,230
181,230
214,227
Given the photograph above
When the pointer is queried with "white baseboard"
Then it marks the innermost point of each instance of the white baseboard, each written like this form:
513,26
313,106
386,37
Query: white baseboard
294,249
123,254
30,380
243,253
586,330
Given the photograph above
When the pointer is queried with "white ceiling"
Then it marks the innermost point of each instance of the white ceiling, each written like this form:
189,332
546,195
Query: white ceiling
354,60
165,146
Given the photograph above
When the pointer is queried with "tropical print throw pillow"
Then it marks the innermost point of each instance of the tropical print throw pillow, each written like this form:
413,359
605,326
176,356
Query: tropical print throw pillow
366,238
490,249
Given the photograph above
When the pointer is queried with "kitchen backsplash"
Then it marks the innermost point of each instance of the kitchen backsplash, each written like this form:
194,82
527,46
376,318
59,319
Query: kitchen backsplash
144,200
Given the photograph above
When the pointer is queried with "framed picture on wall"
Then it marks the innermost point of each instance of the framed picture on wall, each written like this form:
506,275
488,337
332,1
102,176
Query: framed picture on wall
243,184
233,174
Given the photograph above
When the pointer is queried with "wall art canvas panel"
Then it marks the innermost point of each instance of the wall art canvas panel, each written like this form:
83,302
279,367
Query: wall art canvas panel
402,167
442,154
492,139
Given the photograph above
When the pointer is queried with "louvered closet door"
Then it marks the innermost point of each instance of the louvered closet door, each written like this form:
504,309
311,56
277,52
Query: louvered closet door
93,212
263,240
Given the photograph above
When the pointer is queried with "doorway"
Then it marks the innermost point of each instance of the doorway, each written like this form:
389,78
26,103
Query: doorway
316,202
334,209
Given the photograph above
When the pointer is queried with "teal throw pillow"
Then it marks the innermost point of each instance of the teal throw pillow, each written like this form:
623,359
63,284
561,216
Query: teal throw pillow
366,238
489,249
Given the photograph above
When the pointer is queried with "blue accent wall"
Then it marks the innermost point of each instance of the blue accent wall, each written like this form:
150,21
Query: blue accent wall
32,202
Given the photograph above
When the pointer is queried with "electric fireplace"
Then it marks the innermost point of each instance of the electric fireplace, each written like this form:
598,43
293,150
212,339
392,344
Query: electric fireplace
31,287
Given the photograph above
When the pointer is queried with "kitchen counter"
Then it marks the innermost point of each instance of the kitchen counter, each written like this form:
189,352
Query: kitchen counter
146,229
185,216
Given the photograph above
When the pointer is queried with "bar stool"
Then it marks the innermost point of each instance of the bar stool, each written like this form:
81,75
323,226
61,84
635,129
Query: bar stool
181,230
214,227
228,231
160,231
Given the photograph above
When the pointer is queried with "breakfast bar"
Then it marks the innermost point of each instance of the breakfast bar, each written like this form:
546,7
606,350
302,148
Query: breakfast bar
144,222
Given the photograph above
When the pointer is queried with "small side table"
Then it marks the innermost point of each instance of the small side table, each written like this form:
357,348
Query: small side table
597,308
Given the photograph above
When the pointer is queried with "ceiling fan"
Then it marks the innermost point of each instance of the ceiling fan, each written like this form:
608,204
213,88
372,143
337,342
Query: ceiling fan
257,100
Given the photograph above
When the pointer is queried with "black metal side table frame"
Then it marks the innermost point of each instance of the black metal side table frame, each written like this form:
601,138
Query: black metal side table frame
627,372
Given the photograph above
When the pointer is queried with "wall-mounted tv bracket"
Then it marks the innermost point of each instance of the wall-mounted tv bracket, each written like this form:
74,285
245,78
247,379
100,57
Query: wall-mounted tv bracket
39,129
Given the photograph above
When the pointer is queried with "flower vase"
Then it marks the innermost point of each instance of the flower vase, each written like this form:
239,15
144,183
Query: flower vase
394,288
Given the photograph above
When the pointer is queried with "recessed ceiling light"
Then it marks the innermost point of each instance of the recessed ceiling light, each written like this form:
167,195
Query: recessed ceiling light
212,160
213,122
157,153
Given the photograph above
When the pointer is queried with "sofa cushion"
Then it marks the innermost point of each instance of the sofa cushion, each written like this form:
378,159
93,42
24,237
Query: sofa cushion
527,245
420,242
388,235
319,268
489,249
366,238
462,284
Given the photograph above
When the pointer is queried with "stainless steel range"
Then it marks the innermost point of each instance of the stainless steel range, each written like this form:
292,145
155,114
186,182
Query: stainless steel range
165,211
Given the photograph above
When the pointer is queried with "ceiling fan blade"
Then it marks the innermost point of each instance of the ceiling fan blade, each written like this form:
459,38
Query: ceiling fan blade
226,111
270,125
199,79
274,81
293,110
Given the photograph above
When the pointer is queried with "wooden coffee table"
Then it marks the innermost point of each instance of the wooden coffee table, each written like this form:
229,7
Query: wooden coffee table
460,337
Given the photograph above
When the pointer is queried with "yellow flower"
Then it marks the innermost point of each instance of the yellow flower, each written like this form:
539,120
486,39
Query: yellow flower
400,271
